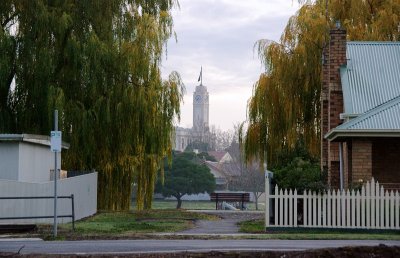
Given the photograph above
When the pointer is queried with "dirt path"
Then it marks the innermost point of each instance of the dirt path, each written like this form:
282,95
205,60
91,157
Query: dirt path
226,225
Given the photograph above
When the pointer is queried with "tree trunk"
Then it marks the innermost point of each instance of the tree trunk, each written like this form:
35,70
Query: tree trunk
256,197
179,204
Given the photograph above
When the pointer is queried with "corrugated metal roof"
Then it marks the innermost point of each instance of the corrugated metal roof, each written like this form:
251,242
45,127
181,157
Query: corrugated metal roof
383,117
372,75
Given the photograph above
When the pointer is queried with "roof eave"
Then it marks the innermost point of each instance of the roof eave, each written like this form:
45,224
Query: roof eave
341,134
31,138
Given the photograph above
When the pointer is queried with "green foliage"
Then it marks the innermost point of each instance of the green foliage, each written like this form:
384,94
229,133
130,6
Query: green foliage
187,156
197,145
286,102
297,168
301,175
206,156
185,176
287,155
97,62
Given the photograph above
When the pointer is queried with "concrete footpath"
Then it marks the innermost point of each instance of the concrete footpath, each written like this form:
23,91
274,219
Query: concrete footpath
226,225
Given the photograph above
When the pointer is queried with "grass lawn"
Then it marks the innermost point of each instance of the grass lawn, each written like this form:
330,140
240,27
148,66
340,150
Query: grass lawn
166,219
133,225
192,205
108,225
257,226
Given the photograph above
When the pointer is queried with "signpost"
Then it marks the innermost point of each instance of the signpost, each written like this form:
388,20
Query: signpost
55,141
55,146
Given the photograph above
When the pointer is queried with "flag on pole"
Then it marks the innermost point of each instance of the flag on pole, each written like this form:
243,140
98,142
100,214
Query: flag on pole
200,76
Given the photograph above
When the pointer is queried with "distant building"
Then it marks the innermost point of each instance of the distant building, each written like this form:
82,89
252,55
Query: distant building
221,156
200,132
223,169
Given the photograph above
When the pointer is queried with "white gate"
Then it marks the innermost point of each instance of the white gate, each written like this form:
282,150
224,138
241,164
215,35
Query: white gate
370,208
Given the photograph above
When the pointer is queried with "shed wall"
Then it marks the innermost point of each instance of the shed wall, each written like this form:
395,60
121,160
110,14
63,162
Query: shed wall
9,160
83,187
35,162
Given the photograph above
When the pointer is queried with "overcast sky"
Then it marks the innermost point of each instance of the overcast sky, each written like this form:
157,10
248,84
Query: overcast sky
219,35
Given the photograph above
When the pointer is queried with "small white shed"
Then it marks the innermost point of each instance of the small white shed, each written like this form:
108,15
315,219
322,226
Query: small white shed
26,170
27,157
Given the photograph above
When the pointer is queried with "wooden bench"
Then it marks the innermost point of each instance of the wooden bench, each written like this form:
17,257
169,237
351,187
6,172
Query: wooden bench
230,197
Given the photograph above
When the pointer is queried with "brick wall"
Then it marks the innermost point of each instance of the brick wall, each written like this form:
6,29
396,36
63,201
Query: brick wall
361,160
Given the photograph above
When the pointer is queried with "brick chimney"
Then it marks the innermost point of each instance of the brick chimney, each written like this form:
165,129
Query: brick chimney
324,108
334,56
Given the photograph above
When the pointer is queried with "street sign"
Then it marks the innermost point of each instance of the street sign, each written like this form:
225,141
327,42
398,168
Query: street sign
55,141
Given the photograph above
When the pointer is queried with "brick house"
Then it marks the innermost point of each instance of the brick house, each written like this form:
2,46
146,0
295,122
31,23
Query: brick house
360,111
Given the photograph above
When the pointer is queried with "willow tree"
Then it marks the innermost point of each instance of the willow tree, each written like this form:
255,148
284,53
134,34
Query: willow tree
98,63
285,104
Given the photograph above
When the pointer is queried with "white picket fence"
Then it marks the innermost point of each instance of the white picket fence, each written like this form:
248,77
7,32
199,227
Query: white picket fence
370,208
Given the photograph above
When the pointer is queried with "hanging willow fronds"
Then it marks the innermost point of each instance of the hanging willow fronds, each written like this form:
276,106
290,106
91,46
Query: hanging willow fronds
98,63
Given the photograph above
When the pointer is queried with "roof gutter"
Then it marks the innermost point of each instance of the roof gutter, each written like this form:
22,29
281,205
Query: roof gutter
339,134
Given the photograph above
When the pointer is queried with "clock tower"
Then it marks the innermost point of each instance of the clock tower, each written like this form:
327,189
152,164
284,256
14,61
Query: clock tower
200,132
200,109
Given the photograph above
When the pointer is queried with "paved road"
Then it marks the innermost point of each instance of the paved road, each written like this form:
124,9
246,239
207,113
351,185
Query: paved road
157,246
226,225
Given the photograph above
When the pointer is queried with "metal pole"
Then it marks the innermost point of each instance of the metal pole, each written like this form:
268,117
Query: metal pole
73,212
55,176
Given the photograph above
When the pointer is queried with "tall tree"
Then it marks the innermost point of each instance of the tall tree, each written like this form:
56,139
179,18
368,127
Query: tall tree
186,176
97,62
251,176
223,139
285,105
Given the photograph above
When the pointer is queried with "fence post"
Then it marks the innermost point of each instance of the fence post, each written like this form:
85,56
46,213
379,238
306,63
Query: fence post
267,215
295,207
276,200
347,197
305,218
281,203
290,199
73,212
384,208
334,204
392,209
397,209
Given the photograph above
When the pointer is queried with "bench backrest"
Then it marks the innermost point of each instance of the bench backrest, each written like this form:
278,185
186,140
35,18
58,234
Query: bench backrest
245,197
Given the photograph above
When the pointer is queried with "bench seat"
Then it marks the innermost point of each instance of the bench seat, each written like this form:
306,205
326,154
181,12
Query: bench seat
229,197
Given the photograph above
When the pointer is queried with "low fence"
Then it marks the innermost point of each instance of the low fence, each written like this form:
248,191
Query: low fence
84,189
372,207
72,215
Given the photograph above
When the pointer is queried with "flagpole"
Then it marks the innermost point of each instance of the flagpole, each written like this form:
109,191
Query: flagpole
201,75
